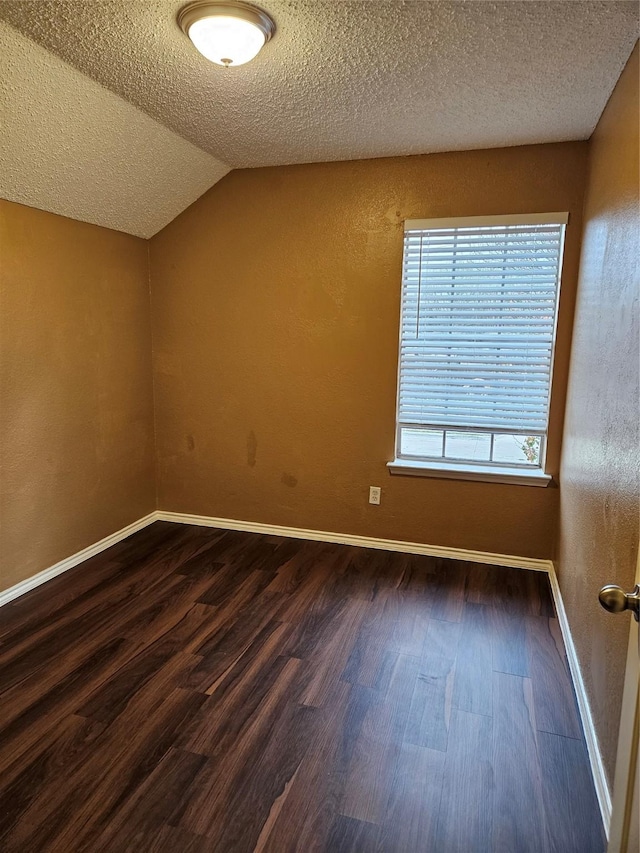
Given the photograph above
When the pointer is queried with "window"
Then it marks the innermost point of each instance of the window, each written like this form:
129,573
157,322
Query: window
479,304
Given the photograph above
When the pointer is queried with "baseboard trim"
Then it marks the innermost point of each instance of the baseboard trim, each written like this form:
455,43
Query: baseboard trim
595,757
593,747
19,589
362,541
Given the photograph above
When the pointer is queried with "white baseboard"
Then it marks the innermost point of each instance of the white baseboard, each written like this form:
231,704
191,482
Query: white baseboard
595,758
19,589
593,747
362,541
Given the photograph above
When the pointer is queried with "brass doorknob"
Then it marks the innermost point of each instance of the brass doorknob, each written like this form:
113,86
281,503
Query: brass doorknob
614,599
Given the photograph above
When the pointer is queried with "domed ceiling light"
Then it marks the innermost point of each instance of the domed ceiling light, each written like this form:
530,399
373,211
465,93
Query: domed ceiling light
226,33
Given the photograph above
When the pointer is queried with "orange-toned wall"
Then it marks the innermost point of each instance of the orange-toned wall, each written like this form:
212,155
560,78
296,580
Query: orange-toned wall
76,413
600,472
275,305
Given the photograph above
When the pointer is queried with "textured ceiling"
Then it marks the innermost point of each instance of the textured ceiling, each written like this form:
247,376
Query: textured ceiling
110,116
70,146
346,80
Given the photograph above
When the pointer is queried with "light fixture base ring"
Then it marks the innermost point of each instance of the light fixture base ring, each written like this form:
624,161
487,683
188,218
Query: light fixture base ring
236,9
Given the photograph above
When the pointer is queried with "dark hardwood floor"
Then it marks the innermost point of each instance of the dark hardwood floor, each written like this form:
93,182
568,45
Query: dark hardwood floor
195,690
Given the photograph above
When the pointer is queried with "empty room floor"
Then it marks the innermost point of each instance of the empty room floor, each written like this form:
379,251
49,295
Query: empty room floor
192,689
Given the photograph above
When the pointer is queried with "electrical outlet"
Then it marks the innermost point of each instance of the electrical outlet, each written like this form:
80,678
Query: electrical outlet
374,494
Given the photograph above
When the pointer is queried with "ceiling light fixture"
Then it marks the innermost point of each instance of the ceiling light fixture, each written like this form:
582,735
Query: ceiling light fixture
226,33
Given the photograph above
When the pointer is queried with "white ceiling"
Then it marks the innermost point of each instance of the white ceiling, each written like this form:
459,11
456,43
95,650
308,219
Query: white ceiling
346,80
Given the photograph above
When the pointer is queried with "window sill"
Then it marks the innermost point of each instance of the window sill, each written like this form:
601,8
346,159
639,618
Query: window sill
453,471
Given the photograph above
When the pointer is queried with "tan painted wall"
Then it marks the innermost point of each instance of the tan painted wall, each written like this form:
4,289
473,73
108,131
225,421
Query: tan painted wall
599,506
76,419
275,308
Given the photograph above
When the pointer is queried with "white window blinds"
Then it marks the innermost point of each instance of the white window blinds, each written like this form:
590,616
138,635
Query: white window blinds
479,300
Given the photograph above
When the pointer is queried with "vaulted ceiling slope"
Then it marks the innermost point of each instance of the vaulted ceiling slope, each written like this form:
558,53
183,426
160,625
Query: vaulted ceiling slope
70,146
341,79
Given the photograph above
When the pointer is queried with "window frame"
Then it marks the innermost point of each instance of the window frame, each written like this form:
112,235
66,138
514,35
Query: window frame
522,473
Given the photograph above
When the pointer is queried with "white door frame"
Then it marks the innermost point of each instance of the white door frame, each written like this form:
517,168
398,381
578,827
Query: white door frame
625,803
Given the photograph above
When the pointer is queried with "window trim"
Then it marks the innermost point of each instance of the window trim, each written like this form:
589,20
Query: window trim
518,474
555,218
466,471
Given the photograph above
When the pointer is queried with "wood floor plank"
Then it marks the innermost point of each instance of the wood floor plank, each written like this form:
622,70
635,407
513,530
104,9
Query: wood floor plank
147,809
370,646
166,610
482,585
236,761
329,658
76,810
523,592
249,802
234,586
91,617
31,719
472,684
237,624
442,639
430,711
305,564
412,810
508,643
239,693
368,572
305,817
160,667
518,816
464,818
570,802
512,591
349,835
193,543
555,703
154,539
194,689
244,550
419,573
241,669
73,737
284,551
540,595
395,621
449,590
57,665
32,612
413,611
52,642
166,839
316,609
378,744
